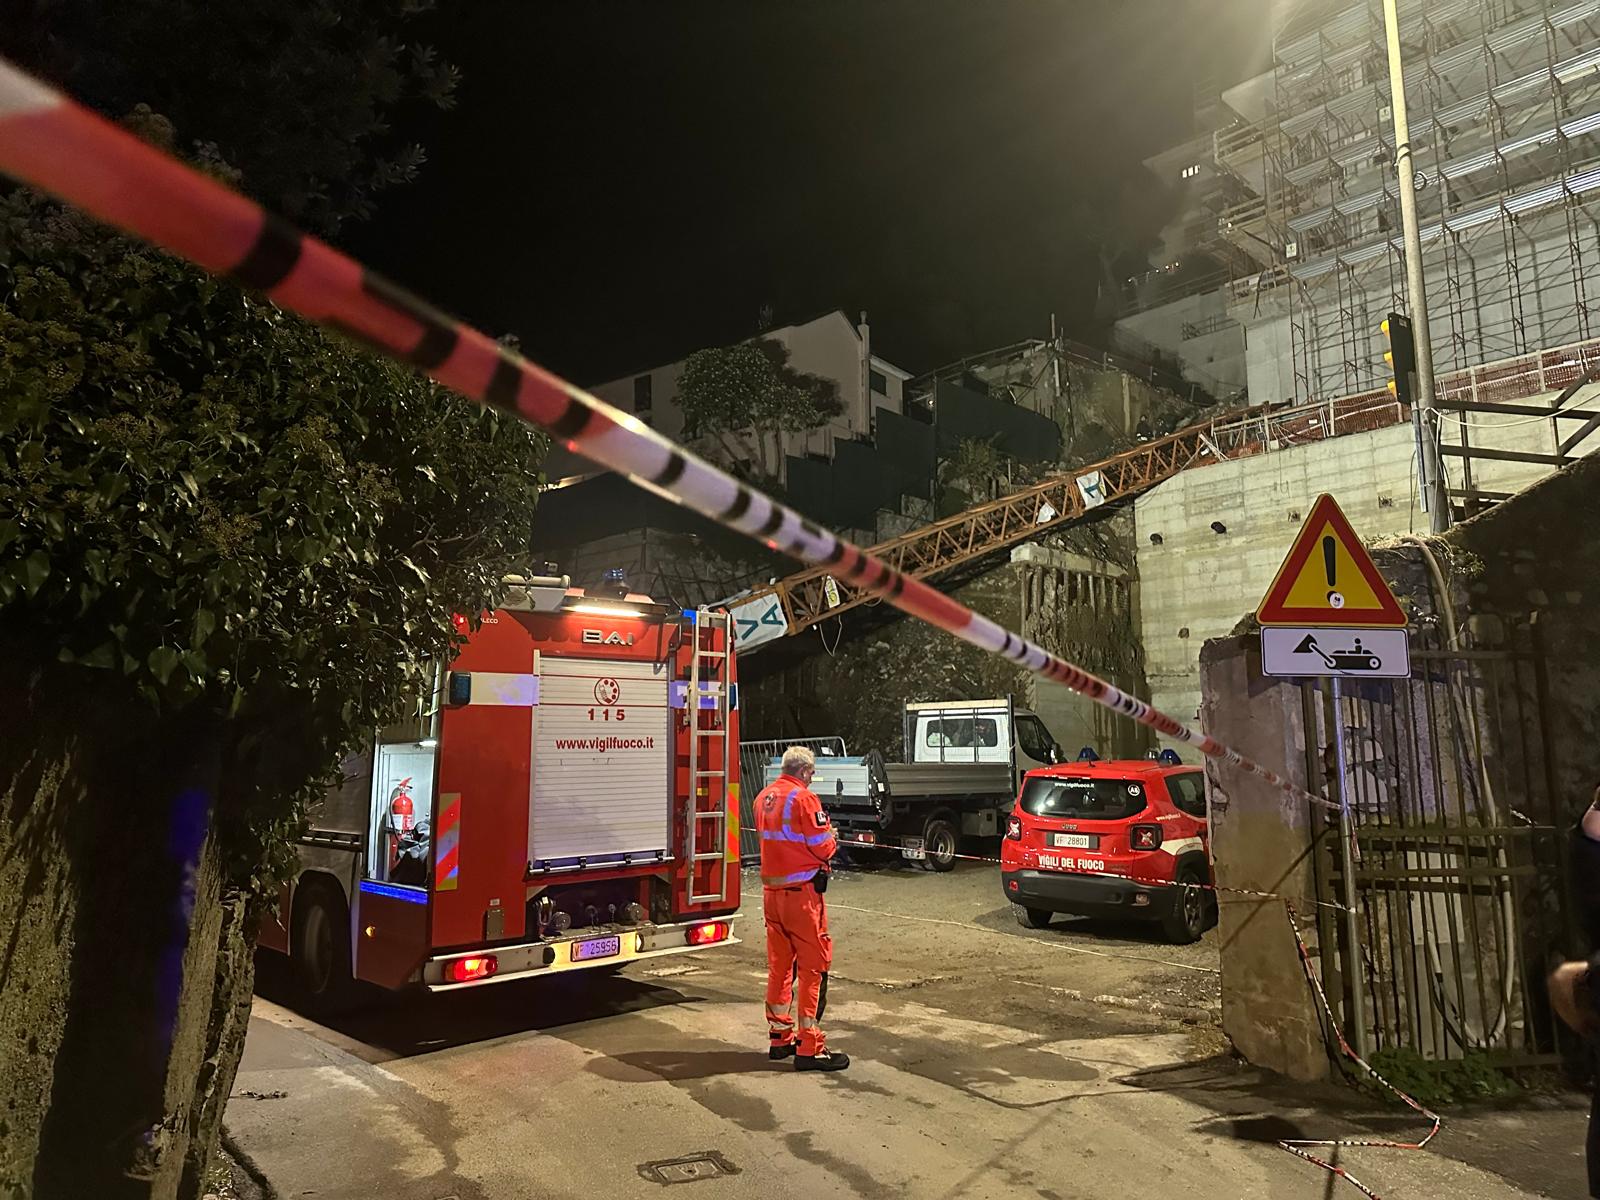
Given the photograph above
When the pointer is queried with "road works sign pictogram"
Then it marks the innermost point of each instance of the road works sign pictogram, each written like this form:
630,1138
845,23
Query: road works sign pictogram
1329,579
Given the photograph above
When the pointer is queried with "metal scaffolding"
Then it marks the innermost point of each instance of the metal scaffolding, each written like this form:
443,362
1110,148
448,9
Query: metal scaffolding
1505,105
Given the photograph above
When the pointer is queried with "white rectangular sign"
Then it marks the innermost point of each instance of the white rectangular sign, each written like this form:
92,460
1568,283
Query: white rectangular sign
1347,653
758,620
1092,488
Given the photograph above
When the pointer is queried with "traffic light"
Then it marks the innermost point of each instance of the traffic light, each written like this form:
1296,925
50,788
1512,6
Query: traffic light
1401,356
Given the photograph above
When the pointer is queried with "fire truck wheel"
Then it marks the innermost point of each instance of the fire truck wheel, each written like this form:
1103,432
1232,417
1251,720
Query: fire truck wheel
321,953
1186,921
939,843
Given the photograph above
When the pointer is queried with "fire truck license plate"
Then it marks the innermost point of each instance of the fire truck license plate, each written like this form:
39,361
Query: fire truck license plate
596,948
1076,841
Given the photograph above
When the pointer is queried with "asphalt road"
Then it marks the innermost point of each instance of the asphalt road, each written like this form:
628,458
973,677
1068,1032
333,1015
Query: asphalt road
990,1061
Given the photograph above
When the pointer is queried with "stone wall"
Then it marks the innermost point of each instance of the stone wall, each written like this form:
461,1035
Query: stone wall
117,944
1086,610
1534,562
1259,840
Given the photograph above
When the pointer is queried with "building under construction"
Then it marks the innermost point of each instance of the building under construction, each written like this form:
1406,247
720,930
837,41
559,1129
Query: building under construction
1288,253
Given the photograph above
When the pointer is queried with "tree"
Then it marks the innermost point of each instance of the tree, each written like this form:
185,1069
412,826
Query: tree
227,541
972,474
741,399
299,96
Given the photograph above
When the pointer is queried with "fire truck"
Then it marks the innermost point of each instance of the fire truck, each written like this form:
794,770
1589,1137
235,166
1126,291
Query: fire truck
562,800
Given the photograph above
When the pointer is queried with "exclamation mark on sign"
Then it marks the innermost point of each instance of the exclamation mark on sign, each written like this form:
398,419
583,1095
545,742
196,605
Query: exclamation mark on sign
1330,546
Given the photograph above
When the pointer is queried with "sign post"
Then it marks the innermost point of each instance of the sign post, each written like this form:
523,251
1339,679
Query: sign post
1330,613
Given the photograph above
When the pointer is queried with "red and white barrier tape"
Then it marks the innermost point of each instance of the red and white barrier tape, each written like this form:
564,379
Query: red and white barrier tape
1144,881
1301,1147
62,148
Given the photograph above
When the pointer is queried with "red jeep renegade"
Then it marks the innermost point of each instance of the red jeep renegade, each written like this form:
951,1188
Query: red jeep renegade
1096,838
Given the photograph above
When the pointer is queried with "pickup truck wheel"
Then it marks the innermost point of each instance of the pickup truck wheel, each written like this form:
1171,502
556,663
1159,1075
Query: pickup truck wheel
324,983
939,844
1187,919
1033,918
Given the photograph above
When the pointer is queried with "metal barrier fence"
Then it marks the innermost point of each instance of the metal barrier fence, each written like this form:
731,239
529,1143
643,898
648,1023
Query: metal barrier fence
754,758
1459,869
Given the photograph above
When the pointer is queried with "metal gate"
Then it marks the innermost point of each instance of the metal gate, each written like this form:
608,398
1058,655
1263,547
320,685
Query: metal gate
1456,856
753,760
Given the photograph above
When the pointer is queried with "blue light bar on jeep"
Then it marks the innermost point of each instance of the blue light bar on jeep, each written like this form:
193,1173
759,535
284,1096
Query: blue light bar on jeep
1087,754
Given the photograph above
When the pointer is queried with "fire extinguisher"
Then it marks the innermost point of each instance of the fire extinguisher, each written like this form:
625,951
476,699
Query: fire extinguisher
401,813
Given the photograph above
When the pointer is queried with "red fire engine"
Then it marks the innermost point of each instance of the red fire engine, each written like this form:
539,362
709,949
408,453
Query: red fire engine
573,806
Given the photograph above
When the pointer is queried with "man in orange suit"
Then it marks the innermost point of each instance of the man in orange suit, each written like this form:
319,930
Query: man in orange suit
796,843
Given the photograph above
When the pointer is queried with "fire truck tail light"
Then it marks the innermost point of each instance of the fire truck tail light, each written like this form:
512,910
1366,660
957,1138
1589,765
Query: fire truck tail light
705,935
1014,827
466,970
1144,837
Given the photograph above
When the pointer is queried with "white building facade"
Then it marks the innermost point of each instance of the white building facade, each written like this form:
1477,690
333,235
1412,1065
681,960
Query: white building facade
829,346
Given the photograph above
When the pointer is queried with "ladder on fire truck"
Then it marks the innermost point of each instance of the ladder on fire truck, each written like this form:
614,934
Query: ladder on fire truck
710,753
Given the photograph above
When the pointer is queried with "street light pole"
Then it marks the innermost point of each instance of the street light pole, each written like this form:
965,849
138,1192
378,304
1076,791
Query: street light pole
1424,415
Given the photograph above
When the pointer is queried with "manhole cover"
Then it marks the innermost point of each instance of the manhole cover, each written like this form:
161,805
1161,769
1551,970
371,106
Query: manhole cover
708,1164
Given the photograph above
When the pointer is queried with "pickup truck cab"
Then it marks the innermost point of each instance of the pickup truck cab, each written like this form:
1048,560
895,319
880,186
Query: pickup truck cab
1123,838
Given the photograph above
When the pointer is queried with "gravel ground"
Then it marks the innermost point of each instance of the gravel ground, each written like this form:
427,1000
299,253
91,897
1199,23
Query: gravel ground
897,926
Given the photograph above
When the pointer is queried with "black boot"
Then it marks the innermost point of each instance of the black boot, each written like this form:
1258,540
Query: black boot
780,1050
828,1060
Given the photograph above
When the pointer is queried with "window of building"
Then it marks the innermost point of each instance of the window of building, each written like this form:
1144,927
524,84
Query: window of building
878,382
1191,171
642,399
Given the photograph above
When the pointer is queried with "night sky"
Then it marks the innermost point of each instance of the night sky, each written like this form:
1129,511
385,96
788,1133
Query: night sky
623,182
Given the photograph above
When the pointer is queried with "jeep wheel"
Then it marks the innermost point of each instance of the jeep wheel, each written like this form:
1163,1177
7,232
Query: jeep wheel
1033,918
1186,920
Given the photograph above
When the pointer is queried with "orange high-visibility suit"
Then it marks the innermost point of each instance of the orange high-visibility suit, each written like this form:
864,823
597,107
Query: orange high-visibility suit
796,842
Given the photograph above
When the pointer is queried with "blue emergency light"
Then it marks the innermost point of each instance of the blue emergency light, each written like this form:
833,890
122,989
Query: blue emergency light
1169,757
1087,754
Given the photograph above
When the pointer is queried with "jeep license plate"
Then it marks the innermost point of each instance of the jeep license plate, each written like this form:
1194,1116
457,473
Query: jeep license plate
605,947
913,850
1076,841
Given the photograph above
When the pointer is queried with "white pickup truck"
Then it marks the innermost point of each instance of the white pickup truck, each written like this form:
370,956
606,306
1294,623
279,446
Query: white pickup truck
966,757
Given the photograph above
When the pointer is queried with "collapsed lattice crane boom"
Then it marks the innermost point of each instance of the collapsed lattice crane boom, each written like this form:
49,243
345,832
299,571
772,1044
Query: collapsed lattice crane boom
813,595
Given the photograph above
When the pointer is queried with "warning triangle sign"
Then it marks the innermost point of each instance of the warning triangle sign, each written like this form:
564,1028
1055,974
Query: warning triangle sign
1329,578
